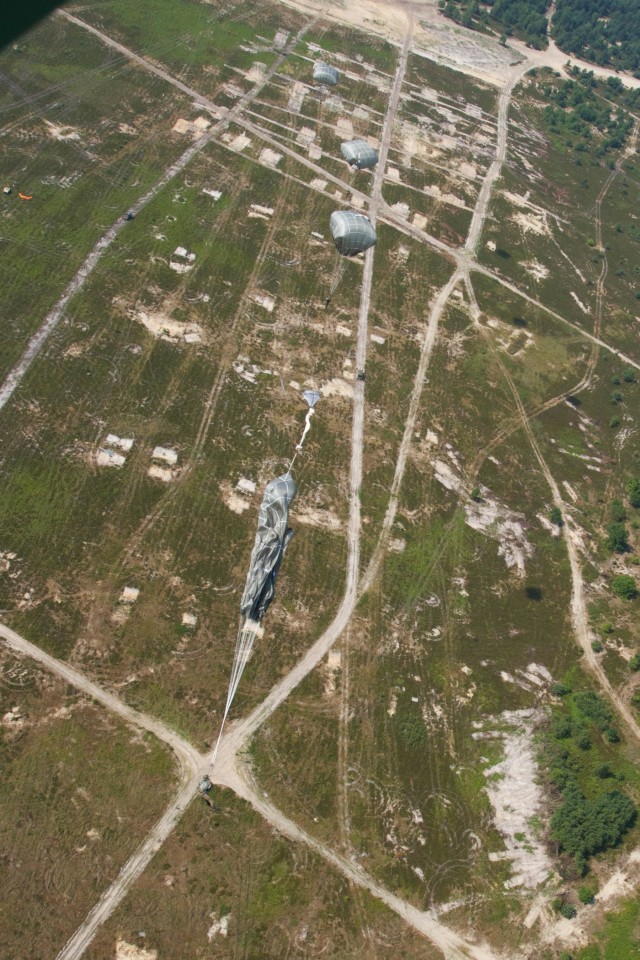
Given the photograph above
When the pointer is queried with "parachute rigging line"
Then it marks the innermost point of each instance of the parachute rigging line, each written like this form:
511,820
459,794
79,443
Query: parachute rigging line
247,633
250,628
339,267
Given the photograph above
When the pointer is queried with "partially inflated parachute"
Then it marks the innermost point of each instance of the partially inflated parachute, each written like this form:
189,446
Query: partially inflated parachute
271,541
359,154
325,73
352,232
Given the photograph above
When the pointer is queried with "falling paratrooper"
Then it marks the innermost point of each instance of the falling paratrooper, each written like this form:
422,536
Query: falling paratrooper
359,154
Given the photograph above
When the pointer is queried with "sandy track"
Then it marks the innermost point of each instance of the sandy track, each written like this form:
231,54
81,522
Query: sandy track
451,944
459,257
239,734
190,759
51,321
227,770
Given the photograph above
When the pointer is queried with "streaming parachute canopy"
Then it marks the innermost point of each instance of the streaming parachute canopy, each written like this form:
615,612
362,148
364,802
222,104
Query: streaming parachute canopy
311,396
352,232
271,541
359,154
325,73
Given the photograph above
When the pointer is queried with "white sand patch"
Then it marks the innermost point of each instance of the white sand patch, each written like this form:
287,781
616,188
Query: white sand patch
337,388
318,184
61,132
536,269
296,97
491,518
246,486
393,174
402,209
210,192
270,157
240,143
552,528
326,519
393,704
163,327
532,223
331,667
180,267
265,301
516,797
165,454
579,302
468,170
491,245
127,951
375,338
160,473
344,128
257,72
280,39
420,221
189,620
233,500
123,443
572,493
127,128
342,330
105,457
266,212
129,595
218,927
193,127
306,136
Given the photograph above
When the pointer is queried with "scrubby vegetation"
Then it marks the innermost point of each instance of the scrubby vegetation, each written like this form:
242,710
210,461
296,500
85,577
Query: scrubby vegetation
606,32
592,816
577,113
624,586
523,18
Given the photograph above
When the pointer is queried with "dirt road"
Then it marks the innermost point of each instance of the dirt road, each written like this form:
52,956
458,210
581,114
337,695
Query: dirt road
53,318
189,758
452,946
240,733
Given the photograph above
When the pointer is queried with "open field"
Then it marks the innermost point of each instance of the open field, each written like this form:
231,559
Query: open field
79,791
454,509
249,892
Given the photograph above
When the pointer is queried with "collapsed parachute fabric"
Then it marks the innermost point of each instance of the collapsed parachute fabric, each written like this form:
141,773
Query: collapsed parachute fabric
268,549
359,154
325,73
352,232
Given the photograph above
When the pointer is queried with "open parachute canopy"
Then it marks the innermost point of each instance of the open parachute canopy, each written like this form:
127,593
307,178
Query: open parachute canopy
352,232
359,154
325,73
271,541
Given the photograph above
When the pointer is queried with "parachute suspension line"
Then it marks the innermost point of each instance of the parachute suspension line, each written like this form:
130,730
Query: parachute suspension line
312,397
339,268
247,633
250,628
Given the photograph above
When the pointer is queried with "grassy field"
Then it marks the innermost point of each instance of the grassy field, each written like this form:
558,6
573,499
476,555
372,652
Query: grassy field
79,791
198,331
273,897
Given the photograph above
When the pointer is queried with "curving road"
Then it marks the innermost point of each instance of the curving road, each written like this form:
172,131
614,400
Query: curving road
229,770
